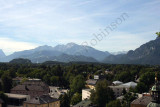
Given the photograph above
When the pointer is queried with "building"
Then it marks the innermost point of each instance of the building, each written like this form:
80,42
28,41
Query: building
55,92
118,89
130,84
17,80
91,83
86,93
84,103
141,102
155,93
42,101
16,99
117,83
108,71
32,87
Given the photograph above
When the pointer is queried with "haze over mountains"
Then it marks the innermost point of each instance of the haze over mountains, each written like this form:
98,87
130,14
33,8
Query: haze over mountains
62,53
148,53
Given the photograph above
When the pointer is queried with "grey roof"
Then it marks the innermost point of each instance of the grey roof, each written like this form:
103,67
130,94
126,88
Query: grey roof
145,100
91,82
42,100
117,82
84,103
31,86
130,84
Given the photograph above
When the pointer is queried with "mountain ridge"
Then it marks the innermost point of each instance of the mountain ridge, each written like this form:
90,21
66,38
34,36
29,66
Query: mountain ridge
72,51
148,53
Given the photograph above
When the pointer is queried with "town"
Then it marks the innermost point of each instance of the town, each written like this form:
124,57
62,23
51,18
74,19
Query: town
78,85
79,53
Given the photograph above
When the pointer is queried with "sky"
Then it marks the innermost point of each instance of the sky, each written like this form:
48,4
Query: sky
27,24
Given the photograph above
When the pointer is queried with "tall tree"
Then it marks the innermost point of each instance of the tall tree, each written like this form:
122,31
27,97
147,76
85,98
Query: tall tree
102,95
77,97
77,84
115,103
64,100
6,82
4,98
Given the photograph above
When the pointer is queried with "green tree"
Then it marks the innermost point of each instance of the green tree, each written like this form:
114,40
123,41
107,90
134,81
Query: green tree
141,87
76,98
77,84
128,98
6,82
148,79
64,100
54,80
115,103
158,34
102,95
4,98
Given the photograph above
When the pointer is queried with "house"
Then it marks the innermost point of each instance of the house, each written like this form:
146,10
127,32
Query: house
108,71
32,87
17,80
130,84
117,83
118,89
55,92
86,93
91,83
84,103
16,99
42,101
141,102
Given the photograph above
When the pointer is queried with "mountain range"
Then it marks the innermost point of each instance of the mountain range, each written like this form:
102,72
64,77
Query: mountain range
62,53
148,53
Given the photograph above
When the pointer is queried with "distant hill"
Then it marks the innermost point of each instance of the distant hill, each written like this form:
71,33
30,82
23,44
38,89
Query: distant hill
148,53
61,53
20,61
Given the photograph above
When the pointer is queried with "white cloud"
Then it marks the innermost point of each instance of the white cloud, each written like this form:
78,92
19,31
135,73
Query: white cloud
9,46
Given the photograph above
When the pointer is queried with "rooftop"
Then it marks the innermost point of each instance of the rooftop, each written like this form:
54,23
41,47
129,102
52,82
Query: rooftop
91,82
84,103
145,100
130,84
17,96
44,99
117,82
31,85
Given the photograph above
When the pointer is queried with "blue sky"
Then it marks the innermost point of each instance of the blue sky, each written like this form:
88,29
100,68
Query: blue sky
26,24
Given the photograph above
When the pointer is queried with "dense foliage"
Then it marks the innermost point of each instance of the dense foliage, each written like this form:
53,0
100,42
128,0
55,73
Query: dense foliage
74,75
102,94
